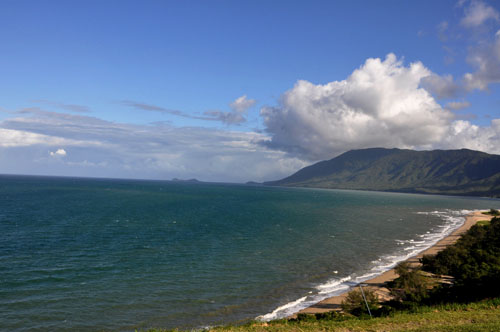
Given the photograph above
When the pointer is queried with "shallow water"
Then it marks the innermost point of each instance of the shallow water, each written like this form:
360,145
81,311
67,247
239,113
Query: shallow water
95,254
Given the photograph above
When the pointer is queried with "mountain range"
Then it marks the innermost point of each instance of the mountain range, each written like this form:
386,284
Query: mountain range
451,172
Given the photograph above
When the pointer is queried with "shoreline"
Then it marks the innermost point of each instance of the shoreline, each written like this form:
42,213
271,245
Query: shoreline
377,284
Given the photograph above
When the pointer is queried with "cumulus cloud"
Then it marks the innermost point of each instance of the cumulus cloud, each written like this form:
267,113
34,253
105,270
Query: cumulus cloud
463,134
486,59
440,86
477,12
379,104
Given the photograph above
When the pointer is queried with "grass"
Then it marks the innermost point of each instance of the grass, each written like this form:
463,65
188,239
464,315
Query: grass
480,316
483,222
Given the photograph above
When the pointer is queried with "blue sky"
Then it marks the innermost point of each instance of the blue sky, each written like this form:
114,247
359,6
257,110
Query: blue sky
240,90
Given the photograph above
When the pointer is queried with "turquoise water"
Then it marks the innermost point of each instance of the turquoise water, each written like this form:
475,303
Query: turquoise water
89,254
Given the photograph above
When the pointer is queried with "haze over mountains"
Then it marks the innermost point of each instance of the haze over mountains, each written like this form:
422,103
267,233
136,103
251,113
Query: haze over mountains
452,172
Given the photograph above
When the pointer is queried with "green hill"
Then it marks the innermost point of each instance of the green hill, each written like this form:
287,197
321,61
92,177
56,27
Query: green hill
452,172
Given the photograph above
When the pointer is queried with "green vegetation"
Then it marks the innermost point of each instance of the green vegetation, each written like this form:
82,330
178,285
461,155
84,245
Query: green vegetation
483,222
492,212
411,286
452,172
479,317
355,304
474,263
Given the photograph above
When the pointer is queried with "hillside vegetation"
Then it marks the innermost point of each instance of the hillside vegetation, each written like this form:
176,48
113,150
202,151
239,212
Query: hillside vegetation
478,317
452,172
473,261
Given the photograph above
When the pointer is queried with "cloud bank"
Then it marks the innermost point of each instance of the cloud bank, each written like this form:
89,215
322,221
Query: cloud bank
108,149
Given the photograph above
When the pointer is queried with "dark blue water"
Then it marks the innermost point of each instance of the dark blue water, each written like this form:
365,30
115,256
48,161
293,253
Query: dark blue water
89,254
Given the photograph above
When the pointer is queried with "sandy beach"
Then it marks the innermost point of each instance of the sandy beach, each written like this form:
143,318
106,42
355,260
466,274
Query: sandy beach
377,284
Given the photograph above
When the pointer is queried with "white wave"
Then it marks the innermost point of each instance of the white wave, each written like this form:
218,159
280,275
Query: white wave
453,220
332,286
278,312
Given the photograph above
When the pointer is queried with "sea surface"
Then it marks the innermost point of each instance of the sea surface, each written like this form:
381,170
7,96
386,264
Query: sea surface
100,254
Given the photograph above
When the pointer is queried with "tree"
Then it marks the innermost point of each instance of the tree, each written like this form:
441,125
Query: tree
473,261
494,212
354,302
411,285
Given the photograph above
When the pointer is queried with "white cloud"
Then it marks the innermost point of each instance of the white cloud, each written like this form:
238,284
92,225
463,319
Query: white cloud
58,153
18,138
463,134
379,104
242,104
486,60
477,13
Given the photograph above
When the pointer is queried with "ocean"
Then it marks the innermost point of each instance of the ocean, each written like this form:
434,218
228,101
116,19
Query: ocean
109,255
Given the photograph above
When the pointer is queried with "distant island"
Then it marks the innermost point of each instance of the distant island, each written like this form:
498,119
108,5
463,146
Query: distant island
450,172
253,183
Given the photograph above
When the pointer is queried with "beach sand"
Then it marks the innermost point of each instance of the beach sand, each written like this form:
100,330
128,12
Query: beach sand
377,284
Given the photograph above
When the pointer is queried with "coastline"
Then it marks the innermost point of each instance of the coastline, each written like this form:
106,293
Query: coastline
377,284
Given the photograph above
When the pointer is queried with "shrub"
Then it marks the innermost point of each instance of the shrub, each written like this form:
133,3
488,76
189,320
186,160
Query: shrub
494,212
355,304
329,315
301,317
411,285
